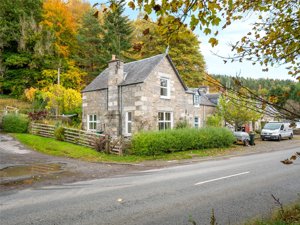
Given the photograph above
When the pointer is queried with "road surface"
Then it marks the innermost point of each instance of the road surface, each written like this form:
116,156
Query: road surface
237,188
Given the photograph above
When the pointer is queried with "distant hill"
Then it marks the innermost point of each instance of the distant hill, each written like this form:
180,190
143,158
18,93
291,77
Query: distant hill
257,84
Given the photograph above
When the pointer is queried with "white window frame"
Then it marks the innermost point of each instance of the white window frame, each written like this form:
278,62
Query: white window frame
127,122
168,88
164,121
196,124
196,100
92,122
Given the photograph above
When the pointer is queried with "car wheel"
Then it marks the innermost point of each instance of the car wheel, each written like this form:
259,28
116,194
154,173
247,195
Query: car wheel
291,136
262,139
279,138
246,142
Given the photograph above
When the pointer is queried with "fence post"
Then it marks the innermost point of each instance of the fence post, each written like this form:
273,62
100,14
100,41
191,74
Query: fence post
107,143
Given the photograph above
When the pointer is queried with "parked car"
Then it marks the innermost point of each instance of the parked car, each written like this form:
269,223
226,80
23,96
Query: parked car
276,131
242,137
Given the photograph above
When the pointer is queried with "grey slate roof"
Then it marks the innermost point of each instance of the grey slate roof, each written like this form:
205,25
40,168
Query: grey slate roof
205,101
204,98
136,72
214,98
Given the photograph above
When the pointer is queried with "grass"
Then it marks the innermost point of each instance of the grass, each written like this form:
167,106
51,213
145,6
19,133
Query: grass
53,147
6,100
286,216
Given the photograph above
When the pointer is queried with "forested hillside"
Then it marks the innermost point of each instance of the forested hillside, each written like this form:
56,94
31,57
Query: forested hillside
262,84
42,40
277,91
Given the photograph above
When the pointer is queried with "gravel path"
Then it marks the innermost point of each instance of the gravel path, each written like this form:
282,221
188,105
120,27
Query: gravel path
12,153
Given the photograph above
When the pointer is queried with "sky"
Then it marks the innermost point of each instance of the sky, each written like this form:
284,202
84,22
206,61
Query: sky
215,64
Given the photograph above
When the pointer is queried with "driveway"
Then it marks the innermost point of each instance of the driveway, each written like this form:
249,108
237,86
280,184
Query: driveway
21,167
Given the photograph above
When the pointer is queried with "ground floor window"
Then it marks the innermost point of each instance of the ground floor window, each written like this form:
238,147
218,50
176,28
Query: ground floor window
165,120
92,122
128,123
196,122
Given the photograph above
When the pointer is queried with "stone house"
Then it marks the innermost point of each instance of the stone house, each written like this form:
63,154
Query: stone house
148,94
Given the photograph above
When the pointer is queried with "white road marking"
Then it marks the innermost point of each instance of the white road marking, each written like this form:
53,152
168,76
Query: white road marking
153,170
221,178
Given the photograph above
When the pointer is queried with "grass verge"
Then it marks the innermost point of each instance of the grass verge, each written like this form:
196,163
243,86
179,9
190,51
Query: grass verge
6,100
53,147
285,216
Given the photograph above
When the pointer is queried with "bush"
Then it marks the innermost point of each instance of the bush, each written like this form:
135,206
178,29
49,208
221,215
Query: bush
40,115
100,144
15,123
59,133
159,142
214,121
182,124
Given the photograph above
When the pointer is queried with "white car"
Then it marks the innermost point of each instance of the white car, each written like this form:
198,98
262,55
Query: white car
276,131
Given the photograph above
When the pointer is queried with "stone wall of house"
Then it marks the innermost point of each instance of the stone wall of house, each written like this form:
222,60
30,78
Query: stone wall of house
94,103
180,102
131,101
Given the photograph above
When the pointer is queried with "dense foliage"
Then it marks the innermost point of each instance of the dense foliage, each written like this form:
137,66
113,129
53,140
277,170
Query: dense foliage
15,123
44,42
261,85
284,95
274,38
237,110
159,142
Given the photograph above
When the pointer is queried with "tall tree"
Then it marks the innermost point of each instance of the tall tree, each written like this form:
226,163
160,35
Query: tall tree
273,40
237,110
59,20
78,8
10,14
184,48
90,45
117,30
19,35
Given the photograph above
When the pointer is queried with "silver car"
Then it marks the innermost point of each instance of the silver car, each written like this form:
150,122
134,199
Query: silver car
242,137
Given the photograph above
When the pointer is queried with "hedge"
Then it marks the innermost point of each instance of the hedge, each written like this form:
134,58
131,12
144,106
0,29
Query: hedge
159,142
15,123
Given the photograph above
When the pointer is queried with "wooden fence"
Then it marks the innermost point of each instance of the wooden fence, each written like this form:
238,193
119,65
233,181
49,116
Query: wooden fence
75,136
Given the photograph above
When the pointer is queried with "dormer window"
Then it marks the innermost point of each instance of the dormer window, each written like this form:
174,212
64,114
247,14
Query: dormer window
164,87
196,100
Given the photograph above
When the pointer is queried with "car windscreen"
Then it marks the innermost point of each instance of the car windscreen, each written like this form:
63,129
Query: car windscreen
272,126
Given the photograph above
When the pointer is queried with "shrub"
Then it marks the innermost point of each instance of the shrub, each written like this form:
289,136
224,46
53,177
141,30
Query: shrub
40,115
100,144
59,133
15,123
159,142
182,124
214,121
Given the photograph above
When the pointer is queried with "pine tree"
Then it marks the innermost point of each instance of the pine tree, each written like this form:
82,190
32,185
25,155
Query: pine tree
90,45
117,30
19,35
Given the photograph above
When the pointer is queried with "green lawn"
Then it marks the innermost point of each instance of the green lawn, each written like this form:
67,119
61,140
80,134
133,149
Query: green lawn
58,148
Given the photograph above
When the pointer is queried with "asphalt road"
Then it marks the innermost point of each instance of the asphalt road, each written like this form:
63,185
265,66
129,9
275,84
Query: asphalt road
237,188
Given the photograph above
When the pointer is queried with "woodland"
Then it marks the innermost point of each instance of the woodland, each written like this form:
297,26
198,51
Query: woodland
51,49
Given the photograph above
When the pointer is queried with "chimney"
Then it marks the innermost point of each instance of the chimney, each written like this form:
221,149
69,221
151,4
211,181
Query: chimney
115,78
116,71
204,89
